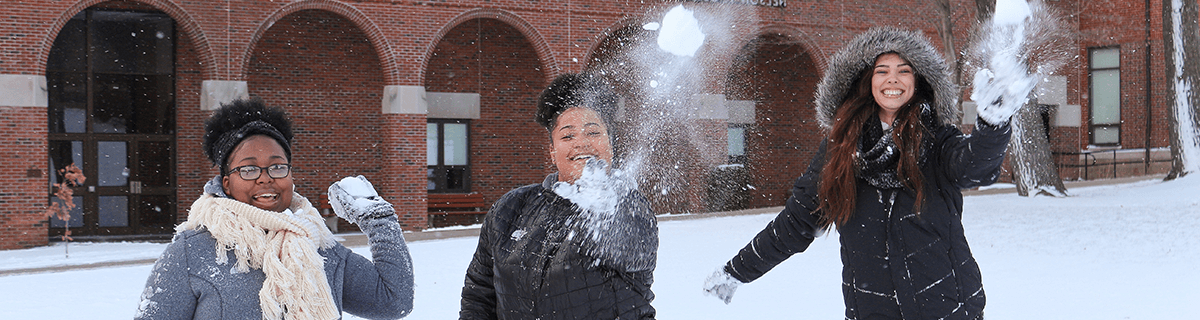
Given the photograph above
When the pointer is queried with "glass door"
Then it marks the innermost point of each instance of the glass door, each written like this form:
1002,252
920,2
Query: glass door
111,82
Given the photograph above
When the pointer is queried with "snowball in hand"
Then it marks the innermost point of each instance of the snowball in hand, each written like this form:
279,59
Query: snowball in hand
355,199
680,33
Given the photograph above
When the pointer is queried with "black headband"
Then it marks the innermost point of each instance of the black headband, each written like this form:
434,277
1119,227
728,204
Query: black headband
230,140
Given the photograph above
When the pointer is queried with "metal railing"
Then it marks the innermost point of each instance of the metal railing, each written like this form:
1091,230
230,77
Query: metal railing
1090,159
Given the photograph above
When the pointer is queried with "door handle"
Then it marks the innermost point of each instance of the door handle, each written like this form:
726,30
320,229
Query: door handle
135,187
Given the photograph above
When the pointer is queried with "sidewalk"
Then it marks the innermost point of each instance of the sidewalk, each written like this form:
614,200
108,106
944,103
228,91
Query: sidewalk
102,253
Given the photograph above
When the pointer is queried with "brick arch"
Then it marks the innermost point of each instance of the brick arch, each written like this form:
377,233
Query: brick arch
608,33
184,22
802,38
544,53
374,34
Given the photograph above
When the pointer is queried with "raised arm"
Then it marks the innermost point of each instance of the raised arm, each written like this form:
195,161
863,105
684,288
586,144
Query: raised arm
974,160
383,287
625,240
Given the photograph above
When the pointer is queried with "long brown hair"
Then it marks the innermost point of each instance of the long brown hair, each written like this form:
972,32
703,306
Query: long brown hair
838,186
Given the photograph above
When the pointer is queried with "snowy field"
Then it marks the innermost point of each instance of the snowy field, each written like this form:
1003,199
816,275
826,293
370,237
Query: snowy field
1114,252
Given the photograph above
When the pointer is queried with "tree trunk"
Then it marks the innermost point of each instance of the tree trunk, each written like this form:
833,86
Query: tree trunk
1032,161
1180,29
984,9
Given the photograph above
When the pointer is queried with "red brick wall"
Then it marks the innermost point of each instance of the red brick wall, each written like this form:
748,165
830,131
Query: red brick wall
192,168
402,43
492,58
23,193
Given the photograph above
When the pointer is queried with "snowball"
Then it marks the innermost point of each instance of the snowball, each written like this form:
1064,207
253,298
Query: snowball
680,33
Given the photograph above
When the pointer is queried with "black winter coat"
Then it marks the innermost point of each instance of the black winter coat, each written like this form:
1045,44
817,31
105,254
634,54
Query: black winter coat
535,262
896,263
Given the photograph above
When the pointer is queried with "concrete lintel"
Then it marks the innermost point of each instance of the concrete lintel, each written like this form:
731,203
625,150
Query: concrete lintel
452,105
969,112
1052,90
404,100
1068,115
213,93
707,106
21,90
741,111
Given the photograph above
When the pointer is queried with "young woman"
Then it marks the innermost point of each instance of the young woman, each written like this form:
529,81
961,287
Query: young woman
889,177
252,248
540,256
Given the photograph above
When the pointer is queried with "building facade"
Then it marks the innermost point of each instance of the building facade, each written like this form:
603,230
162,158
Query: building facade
429,97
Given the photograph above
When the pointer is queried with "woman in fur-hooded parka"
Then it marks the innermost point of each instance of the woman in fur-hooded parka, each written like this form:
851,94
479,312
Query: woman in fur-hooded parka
904,253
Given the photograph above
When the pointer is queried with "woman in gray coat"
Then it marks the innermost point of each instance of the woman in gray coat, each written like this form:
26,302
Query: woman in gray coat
252,248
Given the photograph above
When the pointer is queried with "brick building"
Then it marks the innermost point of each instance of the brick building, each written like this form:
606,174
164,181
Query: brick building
429,97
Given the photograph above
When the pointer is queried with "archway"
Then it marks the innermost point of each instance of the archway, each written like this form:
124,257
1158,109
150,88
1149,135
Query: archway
496,74
112,85
777,74
324,71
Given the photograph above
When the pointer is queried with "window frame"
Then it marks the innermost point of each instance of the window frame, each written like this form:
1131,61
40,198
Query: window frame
438,173
1092,126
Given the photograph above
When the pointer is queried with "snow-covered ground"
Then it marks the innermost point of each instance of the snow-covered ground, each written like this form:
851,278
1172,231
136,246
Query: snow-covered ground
1113,252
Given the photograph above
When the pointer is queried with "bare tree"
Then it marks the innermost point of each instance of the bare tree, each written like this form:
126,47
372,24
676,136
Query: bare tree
1034,171
1180,28
1032,160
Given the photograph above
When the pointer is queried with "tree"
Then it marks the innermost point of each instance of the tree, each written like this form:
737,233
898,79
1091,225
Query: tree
1180,30
61,209
1044,50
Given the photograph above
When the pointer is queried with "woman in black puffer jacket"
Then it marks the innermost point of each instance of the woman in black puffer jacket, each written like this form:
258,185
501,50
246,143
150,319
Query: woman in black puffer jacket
541,256
888,176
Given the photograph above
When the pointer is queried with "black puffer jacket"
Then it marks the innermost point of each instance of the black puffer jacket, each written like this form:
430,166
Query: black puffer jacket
898,263
535,262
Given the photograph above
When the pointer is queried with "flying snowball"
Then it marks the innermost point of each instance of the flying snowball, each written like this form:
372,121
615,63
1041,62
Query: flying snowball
1011,12
680,32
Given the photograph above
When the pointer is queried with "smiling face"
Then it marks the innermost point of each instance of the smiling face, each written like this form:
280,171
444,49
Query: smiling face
579,134
893,84
265,192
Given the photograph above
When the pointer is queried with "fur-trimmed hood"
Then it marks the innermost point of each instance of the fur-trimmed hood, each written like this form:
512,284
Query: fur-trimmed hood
845,66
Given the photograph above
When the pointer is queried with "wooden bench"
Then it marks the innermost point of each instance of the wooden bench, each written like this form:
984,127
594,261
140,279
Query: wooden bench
456,209
457,203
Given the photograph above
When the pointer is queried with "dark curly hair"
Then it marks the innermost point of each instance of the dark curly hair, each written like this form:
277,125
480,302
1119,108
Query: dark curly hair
576,90
240,119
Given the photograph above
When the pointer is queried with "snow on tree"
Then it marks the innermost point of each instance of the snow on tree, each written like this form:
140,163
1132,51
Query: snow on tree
1180,32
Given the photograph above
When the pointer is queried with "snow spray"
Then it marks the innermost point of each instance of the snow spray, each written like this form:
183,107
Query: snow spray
659,144
1020,46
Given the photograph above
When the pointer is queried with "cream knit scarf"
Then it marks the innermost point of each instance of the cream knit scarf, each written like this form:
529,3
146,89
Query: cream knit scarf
286,252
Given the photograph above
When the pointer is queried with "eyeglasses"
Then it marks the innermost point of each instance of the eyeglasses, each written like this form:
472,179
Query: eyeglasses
252,172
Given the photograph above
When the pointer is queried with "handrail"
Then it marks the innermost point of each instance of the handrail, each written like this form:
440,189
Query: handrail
1091,155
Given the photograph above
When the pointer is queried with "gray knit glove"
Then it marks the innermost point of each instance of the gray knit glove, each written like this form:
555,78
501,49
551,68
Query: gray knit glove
355,199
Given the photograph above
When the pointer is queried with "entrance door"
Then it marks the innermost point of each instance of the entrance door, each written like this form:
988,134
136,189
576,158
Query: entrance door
111,83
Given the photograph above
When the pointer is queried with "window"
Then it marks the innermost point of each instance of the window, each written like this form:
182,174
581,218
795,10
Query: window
1105,96
736,136
446,153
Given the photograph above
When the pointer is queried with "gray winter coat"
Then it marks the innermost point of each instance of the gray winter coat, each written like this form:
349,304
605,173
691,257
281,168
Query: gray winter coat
187,282
898,263
533,262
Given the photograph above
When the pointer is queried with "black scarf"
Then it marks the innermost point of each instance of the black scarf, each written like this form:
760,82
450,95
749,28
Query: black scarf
878,154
